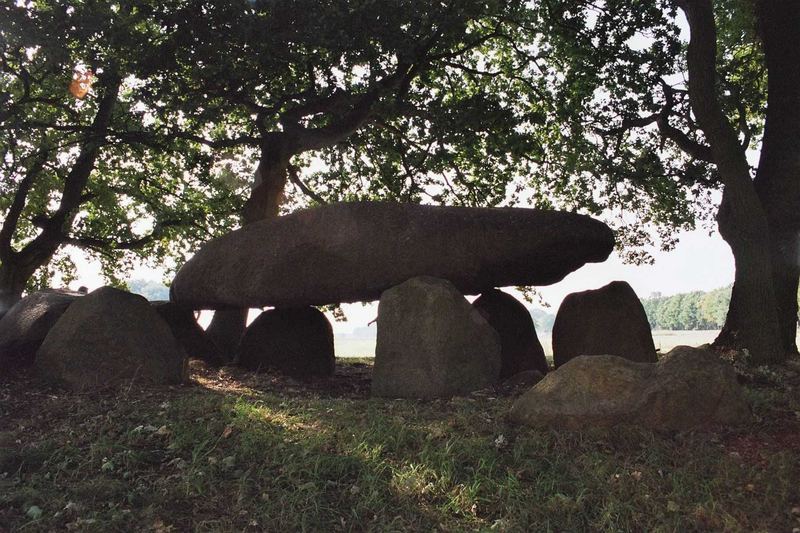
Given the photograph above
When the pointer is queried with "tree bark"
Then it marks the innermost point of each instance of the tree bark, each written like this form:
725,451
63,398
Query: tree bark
225,331
778,178
752,320
752,317
11,286
269,184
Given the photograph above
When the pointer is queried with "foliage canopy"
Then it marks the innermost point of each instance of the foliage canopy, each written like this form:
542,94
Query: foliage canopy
574,104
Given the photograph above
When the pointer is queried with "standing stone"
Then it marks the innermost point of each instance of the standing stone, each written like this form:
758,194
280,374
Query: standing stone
296,342
606,321
432,343
189,334
111,337
24,327
520,349
688,388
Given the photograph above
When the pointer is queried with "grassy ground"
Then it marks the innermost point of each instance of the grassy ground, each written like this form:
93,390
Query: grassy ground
236,452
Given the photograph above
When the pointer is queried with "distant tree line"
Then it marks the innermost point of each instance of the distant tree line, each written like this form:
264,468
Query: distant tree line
687,311
542,320
150,289
692,310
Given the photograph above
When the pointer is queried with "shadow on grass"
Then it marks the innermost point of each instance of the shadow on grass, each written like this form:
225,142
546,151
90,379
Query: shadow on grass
239,451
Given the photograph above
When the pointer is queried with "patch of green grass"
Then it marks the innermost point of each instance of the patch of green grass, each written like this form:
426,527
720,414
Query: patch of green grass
295,459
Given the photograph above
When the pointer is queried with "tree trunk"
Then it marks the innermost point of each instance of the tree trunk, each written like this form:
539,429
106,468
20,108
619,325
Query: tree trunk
266,196
12,283
778,178
269,184
785,273
777,181
15,271
752,321
752,318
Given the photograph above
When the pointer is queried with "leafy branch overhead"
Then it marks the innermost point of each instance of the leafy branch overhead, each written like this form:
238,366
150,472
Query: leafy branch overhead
464,104
89,171
206,114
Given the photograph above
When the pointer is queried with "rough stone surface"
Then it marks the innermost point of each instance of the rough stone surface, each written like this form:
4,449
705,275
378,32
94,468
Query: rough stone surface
609,320
111,337
351,252
520,348
689,388
24,327
296,342
432,343
189,334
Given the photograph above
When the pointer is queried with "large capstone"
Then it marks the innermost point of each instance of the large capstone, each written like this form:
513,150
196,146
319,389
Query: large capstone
689,388
432,343
520,349
27,323
295,342
111,337
605,321
349,252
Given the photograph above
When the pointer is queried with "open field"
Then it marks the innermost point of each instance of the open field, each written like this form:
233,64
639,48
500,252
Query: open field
233,451
664,341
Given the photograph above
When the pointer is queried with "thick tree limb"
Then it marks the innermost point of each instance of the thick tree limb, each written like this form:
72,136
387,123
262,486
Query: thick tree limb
40,249
680,138
349,122
691,147
294,177
726,151
154,138
96,244
17,205
684,142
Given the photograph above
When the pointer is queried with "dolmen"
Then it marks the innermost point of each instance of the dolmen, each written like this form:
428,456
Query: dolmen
350,252
420,261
